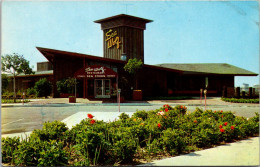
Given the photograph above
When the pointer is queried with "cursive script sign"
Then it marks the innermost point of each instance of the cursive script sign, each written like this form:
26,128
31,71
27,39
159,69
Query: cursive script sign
112,39
95,71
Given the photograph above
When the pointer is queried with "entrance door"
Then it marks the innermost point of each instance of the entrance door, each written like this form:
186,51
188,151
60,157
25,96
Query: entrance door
102,88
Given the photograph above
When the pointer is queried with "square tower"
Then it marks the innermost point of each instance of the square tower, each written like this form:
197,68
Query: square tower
123,35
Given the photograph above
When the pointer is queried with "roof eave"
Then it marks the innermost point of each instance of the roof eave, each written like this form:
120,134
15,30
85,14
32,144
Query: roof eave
122,15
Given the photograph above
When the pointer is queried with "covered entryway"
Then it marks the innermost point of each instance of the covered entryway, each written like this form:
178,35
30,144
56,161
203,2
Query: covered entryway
98,81
102,88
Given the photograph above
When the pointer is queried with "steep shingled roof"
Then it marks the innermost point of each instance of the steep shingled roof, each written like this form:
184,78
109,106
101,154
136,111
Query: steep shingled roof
210,68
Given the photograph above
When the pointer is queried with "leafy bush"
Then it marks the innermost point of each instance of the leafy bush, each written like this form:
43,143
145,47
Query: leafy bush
172,141
124,147
61,86
234,100
51,131
30,91
43,153
141,114
165,131
16,101
66,85
7,95
43,88
9,145
123,116
4,82
91,141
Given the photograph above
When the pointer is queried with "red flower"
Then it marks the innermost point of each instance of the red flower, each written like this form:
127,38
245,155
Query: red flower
221,111
90,116
165,117
225,123
166,105
181,106
214,111
159,125
195,121
222,130
166,109
232,127
220,126
92,121
222,116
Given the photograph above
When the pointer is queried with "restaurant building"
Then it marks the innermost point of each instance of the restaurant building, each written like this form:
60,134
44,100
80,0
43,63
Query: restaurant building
123,39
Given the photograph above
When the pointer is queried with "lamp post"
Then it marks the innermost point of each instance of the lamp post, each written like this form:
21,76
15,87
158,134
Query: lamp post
205,94
201,90
119,90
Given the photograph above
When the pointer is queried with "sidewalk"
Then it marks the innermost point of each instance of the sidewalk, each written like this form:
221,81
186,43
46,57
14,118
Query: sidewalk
241,153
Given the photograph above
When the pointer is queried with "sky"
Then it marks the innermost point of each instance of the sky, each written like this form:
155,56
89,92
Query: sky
181,31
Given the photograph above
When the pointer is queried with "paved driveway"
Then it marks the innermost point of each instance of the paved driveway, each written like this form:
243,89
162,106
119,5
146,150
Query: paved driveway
29,117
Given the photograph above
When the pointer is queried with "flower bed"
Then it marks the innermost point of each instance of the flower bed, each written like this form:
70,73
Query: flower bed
146,135
234,100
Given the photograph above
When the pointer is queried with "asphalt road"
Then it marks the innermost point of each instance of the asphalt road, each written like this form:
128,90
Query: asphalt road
28,118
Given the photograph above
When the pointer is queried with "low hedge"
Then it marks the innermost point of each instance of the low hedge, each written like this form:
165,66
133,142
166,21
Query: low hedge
234,100
166,131
16,101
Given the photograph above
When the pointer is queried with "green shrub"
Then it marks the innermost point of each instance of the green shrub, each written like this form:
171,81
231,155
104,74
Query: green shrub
165,131
173,141
53,154
234,100
4,82
28,153
42,153
16,101
123,116
9,145
61,86
7,95
55,130
30,91
141,114
91,141
205,137
124,147
66,85
43,88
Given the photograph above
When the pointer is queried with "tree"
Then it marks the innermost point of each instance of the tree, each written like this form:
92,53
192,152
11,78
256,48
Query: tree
43,88
132,67
4,82
15,64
